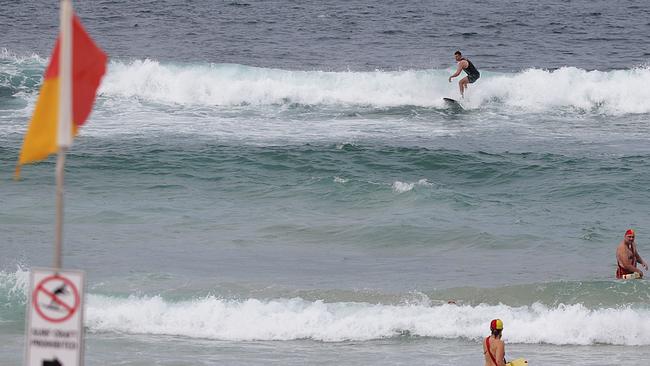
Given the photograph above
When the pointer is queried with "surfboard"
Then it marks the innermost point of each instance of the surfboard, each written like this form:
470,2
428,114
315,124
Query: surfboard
631,276
518,362
452,103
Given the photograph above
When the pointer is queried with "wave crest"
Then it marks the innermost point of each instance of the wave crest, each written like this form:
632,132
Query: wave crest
208,84
609,92
289,319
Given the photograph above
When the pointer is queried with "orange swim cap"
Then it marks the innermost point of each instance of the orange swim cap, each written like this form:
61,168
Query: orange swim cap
496,324
629,232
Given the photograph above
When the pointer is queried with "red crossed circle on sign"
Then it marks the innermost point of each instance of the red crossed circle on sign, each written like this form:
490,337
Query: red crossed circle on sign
70,309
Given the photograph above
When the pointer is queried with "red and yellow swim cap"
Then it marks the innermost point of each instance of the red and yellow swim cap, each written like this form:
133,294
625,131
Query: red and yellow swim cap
496,324
629,232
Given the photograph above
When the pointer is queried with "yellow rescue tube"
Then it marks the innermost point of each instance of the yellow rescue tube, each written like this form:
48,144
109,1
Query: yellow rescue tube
518,362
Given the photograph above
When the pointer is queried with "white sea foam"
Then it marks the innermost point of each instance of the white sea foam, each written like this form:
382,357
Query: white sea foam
612,92
6,54
15,284
228,84
609,92
288,319
401,187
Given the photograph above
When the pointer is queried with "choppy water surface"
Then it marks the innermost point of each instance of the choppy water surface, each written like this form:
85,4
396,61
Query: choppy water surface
280,182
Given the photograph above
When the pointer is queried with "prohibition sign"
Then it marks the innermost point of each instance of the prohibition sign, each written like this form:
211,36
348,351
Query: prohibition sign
69,308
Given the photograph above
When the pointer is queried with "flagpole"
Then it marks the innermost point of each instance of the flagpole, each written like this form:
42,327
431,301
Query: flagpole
64,132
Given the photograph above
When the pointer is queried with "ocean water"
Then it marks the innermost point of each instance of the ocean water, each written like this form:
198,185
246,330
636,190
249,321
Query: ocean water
279,182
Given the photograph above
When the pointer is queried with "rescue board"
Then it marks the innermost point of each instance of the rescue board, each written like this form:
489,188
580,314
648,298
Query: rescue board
631,276
518,362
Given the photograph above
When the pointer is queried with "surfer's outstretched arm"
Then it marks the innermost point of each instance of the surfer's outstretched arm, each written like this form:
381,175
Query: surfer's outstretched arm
460,69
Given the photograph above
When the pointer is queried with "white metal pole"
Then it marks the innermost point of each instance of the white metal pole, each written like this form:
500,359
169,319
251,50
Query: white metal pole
64,132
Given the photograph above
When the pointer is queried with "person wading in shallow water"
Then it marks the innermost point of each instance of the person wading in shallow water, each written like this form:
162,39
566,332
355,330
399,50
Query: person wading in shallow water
494,349
469,68
627,257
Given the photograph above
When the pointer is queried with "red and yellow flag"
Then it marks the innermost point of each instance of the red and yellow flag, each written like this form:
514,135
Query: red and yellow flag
88,67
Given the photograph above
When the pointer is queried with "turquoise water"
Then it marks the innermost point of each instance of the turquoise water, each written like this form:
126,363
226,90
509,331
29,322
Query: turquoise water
335,221
234,214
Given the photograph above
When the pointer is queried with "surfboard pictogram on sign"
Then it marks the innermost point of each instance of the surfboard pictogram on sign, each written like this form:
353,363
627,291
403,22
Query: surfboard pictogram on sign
55,298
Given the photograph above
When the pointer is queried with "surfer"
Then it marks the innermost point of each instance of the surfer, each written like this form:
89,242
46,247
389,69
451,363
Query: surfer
493,347
470,70
627,257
